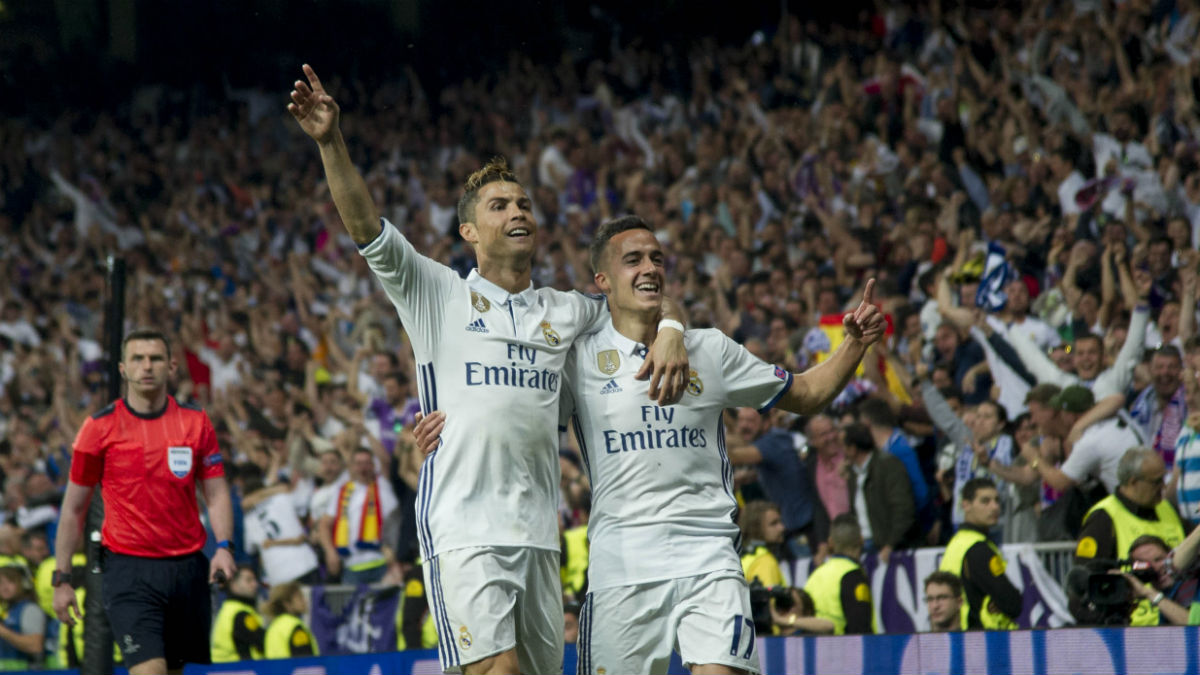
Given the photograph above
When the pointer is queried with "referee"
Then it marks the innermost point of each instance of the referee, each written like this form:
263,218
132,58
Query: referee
147,452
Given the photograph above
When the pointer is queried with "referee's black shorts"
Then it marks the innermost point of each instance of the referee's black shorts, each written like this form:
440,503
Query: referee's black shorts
159,607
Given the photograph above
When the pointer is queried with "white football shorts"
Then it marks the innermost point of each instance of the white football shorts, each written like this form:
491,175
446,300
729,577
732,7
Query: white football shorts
487,600
632,629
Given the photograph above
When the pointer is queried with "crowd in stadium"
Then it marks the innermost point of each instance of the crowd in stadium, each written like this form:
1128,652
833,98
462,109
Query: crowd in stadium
1023,183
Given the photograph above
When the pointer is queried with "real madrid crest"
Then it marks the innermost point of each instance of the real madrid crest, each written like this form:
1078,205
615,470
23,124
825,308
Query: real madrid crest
695,385
479,302
552,338
608,361
464,637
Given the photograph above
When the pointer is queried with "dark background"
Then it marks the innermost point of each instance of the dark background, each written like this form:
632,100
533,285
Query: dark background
56,53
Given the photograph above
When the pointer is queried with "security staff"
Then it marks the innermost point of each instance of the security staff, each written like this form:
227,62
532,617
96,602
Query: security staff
839,587
239,631
287,636
991,602
1136,509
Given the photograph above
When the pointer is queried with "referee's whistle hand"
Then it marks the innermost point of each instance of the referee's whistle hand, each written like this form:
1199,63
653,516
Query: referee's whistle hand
64,602
222,561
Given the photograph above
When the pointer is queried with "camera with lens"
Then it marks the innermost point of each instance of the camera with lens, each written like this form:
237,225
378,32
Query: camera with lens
1108,593
760,604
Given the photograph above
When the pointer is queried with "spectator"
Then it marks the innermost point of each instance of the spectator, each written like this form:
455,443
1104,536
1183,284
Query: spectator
880,494
1099,449
827,458
785,480
943,601
353,538
274,531
23,630
1153,602
1161,410
839,588
887,436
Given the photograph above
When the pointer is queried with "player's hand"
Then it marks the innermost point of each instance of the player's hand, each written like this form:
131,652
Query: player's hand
222,561
428,431
667,367
64,602
314,109
865,324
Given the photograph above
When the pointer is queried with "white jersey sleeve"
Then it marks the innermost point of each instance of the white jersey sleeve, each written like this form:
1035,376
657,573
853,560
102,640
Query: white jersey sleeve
750,381
416,285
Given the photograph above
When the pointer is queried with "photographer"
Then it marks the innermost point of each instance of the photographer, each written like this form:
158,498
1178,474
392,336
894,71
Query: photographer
778,609
1151,584
1137,508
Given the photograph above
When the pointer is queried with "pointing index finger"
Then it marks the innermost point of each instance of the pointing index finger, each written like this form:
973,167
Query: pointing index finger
869,293
312,78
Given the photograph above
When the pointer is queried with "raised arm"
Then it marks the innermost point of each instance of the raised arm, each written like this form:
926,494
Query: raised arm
814,389
318,115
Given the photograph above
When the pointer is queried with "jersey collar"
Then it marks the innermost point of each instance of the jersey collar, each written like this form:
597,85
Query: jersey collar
624,345
497,295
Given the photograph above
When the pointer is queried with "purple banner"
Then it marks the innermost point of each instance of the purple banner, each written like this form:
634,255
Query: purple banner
365,623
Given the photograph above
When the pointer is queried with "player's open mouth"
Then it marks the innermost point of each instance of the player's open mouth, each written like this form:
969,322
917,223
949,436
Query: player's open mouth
519,232
647,287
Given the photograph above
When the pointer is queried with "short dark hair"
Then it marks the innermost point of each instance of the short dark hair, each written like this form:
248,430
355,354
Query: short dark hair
1043,393
946,579
1148,539
975,485
1167,350
876,412
607,231
495,171
858,436
146,334
1089,336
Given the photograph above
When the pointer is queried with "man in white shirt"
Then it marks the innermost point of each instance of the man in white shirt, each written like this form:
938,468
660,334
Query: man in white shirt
354,542
664,567
1097,452
490,349
273,530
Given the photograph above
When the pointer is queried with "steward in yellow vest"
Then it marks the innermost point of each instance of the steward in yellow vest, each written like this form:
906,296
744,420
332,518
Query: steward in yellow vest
415,628
287,636
239,630
1136,509
760,563
839,588
575,561
990,601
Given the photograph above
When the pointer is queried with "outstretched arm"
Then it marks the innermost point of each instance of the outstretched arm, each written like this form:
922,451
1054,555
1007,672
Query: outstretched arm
318,115
814,389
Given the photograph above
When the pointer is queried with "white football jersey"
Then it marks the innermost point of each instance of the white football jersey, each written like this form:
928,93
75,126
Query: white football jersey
275,518
663,501
493,361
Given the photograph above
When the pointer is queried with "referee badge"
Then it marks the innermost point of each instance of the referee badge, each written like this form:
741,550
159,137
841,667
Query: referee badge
479,302
552,338
608,361
695,385
179,460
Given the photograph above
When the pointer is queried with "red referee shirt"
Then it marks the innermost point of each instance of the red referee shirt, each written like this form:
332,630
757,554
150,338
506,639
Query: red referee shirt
147,467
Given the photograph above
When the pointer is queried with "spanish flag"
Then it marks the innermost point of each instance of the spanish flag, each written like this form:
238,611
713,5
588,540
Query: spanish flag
835,333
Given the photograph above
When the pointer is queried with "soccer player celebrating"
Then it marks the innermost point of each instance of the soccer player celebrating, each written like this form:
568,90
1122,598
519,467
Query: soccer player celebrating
147,452
490,349
665,569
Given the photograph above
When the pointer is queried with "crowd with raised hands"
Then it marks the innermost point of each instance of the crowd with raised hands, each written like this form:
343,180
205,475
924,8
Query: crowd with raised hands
1023,182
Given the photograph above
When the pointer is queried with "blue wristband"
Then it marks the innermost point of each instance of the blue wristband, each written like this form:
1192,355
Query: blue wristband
225,544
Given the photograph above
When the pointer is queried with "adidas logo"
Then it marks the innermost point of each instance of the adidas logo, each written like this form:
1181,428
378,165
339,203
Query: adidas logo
611,388
477,326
